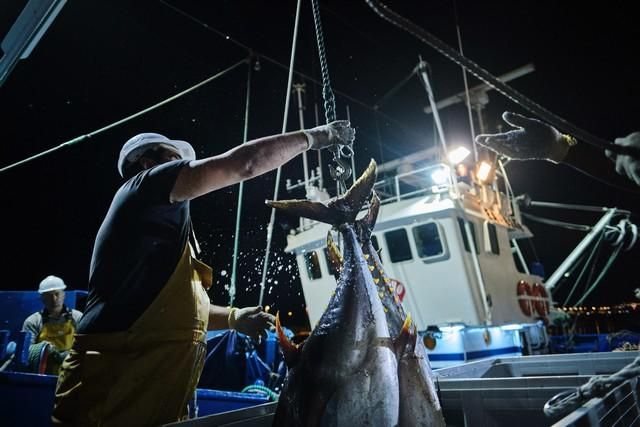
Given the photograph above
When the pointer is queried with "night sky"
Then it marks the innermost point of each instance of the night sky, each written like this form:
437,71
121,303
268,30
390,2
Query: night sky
102,61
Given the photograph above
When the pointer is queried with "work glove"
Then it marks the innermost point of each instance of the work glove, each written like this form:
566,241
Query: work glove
531,140
251,321
338,132
627,165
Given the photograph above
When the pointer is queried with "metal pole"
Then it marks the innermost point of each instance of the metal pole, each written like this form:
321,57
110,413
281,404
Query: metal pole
432,102
577,252
272,219
299,88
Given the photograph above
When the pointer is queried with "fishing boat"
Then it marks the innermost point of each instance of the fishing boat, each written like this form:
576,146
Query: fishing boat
450,240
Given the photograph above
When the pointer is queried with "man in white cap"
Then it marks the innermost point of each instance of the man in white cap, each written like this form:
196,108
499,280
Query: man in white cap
56,323
140,346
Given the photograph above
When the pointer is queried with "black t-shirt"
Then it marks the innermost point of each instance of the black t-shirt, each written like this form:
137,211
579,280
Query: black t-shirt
136,250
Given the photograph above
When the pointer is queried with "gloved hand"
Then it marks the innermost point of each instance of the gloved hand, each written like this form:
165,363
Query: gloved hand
531,140
251,321
626,165
338,132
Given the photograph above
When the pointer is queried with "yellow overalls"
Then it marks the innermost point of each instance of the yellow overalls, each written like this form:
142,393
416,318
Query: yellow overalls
143,376
60,335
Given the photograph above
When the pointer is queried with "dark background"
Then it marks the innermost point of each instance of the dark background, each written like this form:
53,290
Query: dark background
103,60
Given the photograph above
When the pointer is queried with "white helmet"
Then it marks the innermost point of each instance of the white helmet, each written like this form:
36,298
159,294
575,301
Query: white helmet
51,283
134,147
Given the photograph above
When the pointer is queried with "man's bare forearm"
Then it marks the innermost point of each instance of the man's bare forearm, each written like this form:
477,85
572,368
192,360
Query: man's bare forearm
246,161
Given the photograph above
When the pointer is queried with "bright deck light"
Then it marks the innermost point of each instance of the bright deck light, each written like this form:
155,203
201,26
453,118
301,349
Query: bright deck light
457,155
484,170
439,176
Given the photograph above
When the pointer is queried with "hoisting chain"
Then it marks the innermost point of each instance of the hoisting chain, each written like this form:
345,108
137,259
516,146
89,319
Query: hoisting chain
342,170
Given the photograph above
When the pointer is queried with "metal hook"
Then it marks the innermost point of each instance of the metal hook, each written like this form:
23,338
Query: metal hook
342,171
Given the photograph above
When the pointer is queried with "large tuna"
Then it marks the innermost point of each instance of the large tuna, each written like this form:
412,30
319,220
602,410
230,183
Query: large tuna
345,373
419,403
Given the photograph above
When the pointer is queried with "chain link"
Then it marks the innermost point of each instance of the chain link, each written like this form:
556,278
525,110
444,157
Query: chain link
342,171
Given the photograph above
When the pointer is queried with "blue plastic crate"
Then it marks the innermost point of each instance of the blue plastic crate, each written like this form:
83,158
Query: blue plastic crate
217,401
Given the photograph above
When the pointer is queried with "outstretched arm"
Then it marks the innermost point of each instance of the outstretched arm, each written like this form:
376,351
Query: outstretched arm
627,165
530,139
254,158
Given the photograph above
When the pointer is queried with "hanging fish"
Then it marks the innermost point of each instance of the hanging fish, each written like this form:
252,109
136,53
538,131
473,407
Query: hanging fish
419,403
345,373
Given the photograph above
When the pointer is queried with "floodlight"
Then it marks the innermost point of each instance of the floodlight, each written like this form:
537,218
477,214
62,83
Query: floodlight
484,172
457,155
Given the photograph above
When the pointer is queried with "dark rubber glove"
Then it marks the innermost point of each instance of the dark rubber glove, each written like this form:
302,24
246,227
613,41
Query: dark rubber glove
531,140
627,165
339,132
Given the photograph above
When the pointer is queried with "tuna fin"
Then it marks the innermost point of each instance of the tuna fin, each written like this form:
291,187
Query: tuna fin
341,210
290,350
403,338
335,257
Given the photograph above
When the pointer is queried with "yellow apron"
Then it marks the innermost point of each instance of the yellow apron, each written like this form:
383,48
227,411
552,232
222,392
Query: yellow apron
60,335
143,376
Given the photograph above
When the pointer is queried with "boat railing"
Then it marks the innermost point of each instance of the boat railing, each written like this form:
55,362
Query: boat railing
433,179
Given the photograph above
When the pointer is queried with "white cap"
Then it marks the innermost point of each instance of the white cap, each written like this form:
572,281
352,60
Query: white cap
51,283
133,149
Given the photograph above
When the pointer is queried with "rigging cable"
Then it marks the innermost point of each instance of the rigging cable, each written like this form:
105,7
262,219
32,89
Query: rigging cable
234,262
594,252
466,86
600,180
272,219
83,138
350,98
421,34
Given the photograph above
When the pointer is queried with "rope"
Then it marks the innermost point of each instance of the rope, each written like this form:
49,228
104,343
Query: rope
597,386
262,389
234,265
85,137
272,219
386,13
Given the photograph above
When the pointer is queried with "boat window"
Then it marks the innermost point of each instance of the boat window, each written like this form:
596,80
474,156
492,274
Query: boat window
330,266
428,241
374,242
398,245
465,240
492,239
312,263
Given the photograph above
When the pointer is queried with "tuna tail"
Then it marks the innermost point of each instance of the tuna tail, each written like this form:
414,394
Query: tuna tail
341,210
365,226
290,350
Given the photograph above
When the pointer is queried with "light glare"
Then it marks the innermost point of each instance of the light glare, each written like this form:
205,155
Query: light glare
458,154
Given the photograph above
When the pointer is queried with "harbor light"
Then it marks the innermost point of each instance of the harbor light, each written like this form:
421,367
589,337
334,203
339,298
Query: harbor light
458,154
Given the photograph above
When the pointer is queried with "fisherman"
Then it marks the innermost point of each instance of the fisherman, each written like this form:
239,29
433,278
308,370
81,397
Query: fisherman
535,140
141,344
55,324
